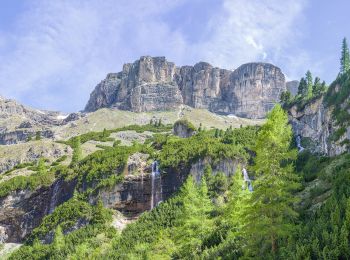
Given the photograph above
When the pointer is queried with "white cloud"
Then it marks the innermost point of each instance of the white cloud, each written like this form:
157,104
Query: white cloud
253,30
61,49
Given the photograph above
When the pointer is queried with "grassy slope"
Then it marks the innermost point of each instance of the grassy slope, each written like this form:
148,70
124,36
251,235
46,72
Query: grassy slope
109,119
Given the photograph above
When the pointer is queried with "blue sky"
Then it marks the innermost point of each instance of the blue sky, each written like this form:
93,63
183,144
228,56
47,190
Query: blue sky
53,53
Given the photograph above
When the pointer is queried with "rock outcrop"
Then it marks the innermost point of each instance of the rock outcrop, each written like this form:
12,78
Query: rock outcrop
18,123
22,211
315,124
154,84
183,129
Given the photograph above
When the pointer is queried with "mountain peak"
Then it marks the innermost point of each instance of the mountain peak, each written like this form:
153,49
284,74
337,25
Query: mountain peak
155,84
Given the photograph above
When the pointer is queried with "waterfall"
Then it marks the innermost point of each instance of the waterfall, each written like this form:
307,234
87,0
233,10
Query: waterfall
298,141
247,180
54,196
156,182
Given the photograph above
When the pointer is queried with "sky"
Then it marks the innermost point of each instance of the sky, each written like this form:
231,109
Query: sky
54,52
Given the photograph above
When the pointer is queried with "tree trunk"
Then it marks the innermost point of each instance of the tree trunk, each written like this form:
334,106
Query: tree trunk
273,244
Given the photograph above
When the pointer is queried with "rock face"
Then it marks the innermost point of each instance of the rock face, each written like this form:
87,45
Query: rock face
145,85
292,87
183,129
22,211
144,187
154,84
315,124
19,122
138,191
227,166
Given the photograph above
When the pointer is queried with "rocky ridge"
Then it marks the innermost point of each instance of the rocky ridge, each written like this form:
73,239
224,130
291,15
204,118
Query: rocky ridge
18,123
155,84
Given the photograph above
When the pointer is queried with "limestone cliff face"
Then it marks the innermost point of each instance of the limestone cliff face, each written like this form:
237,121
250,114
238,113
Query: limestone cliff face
145,85
141,190
22,211
315,124
151,84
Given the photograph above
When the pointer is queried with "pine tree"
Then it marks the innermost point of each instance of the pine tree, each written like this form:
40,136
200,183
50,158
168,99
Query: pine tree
286,97
345,57
59,241
216,135
270,216
309,82
100,214
104,133
302,88
200,127
38,136
41,168
318,87
237,203
77,152
195,224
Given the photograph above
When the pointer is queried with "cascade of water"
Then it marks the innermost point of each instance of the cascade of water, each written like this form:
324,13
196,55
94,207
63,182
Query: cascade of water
298,141
245,175
247,180
53,200
154,176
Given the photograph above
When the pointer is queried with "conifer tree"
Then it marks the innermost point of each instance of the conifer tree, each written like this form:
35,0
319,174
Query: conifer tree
37,136
216,135
77,152
237,202
286,97
59,241
270,215
104,133
345,57
100,214
302,88
195,224
41,166
309,82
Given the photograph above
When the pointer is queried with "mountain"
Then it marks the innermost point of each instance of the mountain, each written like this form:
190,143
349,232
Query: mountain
157,175
155,84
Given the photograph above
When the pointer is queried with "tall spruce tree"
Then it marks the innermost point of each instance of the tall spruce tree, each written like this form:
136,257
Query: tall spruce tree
310,83
302,88
345,57
270,215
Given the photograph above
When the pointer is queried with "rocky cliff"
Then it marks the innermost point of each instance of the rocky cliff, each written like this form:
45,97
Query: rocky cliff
314,124
18,123
154,84
323,124
142,189
23,210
